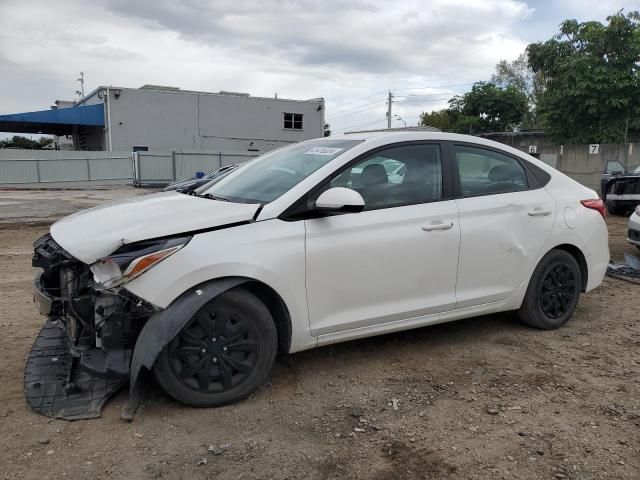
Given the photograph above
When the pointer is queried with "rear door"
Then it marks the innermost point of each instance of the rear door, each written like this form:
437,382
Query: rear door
505,219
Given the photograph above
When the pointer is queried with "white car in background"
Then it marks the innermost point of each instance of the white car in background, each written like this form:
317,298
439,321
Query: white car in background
318,242
633,231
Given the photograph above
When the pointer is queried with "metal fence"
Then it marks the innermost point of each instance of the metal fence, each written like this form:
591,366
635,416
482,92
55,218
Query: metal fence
152,168
160,168
29,167
43,166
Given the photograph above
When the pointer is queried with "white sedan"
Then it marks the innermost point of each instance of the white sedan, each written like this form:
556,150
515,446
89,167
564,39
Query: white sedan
633,231
314,244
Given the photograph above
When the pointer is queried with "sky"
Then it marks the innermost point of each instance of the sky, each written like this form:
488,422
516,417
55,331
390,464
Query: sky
351,52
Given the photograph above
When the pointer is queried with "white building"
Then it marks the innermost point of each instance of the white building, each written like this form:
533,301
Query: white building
160,119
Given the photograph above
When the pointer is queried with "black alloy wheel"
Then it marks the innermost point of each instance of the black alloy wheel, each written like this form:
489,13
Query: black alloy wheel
215,351
553,291
223,353
557,291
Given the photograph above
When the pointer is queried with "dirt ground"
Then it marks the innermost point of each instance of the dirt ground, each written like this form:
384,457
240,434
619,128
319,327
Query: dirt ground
480,398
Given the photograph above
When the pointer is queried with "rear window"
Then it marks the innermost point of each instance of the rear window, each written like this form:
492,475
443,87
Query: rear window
486,172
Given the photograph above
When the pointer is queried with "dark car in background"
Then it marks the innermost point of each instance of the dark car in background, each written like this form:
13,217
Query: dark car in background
620,187
191,184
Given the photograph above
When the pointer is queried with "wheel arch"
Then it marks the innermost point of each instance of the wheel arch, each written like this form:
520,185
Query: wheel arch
576,253
164,325
277,307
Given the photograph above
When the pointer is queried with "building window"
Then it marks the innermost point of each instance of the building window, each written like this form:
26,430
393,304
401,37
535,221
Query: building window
293,121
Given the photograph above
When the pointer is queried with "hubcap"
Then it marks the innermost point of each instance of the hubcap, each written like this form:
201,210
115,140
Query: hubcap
215,351
558,291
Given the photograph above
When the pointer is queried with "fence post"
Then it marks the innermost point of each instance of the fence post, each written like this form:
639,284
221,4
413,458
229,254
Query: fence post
136,169
220,159
173,164
38,170
88,170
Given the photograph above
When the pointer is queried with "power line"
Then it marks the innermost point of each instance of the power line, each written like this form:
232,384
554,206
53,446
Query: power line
425,100
435,86
419,96
358,125
357,107
371,106
359,99
395,89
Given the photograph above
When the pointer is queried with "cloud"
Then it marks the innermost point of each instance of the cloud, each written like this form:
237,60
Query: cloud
338,49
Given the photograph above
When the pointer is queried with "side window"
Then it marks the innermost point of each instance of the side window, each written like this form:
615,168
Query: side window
614,166
485,172
397,176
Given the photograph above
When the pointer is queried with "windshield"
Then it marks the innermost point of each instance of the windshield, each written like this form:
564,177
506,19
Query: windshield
275,173
220,171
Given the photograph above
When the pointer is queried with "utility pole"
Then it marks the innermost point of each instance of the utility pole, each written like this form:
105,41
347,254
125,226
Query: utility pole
81,80
389,102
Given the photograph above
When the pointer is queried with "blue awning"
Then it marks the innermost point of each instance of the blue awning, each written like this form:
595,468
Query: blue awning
55,121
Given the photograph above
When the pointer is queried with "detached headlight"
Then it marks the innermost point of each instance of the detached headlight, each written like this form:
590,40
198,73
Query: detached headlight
129,261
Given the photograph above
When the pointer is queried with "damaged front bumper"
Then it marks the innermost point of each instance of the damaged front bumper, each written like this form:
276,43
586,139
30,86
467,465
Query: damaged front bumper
83,353
55,386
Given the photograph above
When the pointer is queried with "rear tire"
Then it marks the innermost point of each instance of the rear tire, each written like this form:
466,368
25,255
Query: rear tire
222,355
553,292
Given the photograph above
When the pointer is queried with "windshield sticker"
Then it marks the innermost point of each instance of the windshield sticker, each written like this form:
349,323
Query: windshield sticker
328,151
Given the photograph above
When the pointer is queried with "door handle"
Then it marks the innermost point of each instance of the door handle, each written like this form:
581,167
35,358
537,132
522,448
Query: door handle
437,226
539,212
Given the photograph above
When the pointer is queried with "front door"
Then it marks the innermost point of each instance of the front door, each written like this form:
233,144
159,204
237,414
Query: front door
393,261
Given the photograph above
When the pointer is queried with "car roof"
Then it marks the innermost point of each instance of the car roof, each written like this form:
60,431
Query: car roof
393,136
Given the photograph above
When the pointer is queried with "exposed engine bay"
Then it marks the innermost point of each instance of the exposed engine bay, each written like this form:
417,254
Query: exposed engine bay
83,353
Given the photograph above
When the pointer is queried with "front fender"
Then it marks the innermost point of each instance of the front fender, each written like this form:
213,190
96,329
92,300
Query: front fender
163,326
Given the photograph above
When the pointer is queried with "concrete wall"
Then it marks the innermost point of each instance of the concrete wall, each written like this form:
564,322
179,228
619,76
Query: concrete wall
574,160
174,120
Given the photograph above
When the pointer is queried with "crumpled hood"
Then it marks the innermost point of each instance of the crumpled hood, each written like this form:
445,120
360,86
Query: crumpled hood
92,234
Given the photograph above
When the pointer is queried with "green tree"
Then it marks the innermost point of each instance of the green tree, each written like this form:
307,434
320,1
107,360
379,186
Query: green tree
518,74
486,108
592,85
493,108
26,143
438,118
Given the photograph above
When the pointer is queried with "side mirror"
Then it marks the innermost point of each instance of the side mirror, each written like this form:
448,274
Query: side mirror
340,200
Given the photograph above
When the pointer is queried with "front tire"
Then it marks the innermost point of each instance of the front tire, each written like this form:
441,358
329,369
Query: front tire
553,292
222,355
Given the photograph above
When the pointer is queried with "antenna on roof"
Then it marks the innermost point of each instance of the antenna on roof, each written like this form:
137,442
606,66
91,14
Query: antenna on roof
81,91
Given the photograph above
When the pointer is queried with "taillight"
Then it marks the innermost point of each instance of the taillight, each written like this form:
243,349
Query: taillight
595,204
